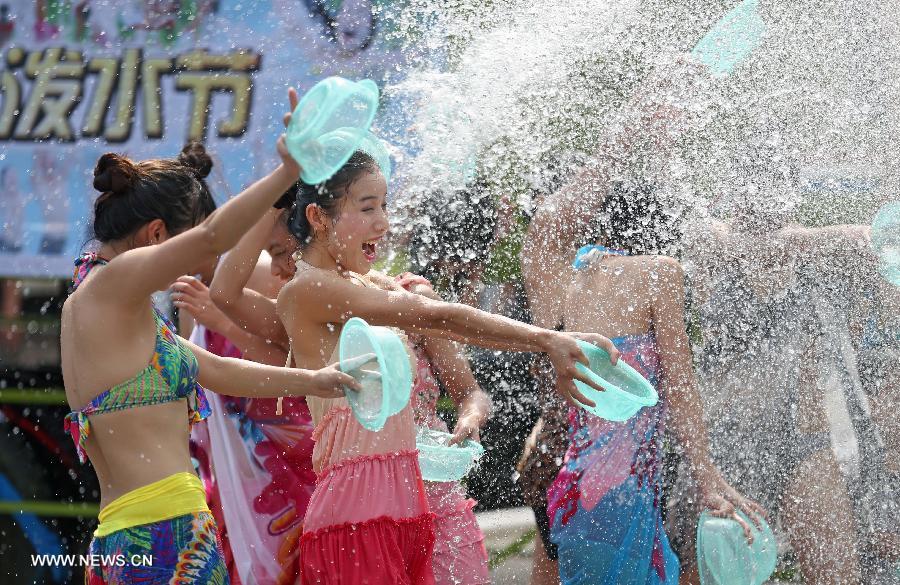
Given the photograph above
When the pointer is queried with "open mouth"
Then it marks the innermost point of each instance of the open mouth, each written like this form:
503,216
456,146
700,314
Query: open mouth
370,250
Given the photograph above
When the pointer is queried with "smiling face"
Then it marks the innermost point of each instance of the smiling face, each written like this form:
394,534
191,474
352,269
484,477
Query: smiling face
360,222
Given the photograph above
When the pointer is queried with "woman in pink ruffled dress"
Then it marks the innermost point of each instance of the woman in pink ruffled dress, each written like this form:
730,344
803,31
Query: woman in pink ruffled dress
459,553
369,520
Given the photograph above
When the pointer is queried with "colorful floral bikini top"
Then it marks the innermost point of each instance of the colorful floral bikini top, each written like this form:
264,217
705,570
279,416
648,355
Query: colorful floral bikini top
171,375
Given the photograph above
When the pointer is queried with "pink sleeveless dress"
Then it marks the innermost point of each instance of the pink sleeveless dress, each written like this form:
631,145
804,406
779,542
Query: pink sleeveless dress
459,553
368,520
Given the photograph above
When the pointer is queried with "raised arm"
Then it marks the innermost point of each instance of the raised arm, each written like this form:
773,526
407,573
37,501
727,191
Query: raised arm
680,386
133,275
249,309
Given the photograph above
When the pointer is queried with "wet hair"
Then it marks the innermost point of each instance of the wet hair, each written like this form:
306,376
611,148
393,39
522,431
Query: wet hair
195,157
635,220
455,227
327,195
133,194
288,199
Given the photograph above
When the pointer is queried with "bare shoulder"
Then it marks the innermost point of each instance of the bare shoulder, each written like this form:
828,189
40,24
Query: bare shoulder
663,276
424,290
381,280
304,283
663,265
647,266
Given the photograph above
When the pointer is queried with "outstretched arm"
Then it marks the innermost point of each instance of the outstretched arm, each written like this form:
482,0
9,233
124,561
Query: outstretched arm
684,400
431,317
237,377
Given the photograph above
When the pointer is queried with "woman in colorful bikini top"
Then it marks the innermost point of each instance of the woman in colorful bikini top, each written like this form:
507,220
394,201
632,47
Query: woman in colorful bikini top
134,385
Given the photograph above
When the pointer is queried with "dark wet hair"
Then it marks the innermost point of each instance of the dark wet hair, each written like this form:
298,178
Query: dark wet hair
288,199
195,157
455,227
636,221
327,195
132,194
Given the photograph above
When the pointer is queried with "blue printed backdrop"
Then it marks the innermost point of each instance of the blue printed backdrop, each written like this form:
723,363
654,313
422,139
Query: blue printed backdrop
80,78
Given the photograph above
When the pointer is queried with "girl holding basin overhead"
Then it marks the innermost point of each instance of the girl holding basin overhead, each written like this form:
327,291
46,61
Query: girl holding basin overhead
459,554
604,506
370,497
134,426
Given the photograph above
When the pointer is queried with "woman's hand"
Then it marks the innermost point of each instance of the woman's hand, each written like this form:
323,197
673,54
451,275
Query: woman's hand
720,499
191,295
563,351
473,413
329,381
467,427
287,160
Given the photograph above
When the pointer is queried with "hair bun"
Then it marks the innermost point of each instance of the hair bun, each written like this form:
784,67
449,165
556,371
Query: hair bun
194,156
114,174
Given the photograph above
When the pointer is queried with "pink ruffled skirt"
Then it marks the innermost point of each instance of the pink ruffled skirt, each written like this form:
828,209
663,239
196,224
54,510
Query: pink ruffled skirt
368,523
459,554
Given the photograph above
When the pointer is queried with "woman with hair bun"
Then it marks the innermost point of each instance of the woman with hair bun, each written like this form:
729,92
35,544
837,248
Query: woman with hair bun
194,157
131,417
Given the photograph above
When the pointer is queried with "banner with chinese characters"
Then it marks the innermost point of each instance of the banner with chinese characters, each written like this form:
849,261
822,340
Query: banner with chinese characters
82,77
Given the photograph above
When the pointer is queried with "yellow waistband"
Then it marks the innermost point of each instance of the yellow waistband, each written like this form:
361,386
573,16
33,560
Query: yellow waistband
177,495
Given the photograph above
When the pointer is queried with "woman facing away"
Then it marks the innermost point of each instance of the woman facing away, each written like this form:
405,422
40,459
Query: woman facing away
459,555
638,151
370,497
132,417
604,507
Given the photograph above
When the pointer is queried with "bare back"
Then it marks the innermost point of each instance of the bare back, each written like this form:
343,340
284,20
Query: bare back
613,296
104,344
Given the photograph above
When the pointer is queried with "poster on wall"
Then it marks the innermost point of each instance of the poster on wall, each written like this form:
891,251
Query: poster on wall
82,77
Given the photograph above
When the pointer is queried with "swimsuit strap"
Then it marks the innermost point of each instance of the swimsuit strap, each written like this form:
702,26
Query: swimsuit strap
586,254
170,376
85,263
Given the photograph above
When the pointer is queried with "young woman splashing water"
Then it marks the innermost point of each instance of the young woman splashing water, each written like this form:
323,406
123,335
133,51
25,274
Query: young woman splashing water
370,498
459,555
605,505
132,418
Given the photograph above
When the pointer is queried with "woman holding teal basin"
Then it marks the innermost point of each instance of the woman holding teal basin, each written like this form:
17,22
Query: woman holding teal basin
604,506
370,497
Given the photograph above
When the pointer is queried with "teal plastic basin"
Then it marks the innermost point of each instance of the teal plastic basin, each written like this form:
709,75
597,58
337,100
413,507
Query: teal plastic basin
332,104
626,391
369,143
386,380
441,462
725,558
886,241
